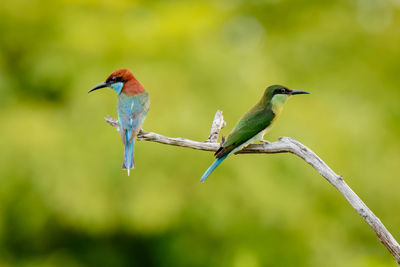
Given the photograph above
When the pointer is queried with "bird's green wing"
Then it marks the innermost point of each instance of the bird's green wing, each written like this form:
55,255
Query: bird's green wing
252,123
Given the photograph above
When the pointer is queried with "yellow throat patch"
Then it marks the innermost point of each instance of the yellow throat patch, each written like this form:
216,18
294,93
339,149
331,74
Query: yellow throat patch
277,102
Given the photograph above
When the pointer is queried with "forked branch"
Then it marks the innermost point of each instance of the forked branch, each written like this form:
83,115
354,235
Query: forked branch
284,145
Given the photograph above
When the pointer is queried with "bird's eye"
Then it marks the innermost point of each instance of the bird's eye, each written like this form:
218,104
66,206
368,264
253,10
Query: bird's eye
280,91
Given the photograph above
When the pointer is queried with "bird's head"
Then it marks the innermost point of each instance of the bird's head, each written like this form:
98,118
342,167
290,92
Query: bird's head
278,94
117,81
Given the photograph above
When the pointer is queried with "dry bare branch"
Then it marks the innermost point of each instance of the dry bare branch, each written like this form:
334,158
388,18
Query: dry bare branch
284,145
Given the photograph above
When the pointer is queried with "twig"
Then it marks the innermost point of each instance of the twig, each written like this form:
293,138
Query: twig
217,125
284,145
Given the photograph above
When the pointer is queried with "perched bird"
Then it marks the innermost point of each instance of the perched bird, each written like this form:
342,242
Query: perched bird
254,123
132,107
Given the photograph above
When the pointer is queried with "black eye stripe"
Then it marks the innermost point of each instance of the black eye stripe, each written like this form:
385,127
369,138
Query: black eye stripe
280,91
115,79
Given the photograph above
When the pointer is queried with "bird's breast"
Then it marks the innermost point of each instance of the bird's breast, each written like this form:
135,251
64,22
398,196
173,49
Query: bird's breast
132,108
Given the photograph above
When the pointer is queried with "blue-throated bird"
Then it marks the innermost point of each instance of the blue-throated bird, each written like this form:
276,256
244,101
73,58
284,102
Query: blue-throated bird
132,107
254,123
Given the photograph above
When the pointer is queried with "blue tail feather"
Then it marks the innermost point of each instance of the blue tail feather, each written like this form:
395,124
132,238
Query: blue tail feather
128,154
212,168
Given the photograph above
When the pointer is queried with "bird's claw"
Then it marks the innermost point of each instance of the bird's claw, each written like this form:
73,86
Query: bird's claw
142,132
222,140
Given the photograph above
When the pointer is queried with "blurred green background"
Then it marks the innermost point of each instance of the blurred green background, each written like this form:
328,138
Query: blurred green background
64,200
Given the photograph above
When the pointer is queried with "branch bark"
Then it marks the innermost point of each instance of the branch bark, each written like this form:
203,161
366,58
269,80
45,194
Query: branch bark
284,145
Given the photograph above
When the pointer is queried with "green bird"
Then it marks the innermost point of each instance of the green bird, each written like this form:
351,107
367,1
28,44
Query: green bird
254,123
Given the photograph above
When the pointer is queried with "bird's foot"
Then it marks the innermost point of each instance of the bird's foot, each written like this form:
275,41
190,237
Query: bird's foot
264,141
142,132
222,140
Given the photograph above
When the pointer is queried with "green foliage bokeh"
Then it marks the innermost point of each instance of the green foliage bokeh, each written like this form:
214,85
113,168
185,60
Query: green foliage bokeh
64,200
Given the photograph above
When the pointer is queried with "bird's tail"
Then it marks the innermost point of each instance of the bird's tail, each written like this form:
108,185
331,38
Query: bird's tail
212,168
129,163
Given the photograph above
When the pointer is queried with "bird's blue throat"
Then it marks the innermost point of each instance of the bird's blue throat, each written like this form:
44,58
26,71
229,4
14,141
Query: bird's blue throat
117,87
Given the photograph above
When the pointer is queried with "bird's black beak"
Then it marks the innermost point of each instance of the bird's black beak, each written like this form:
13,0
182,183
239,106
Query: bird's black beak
298,92
99,86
